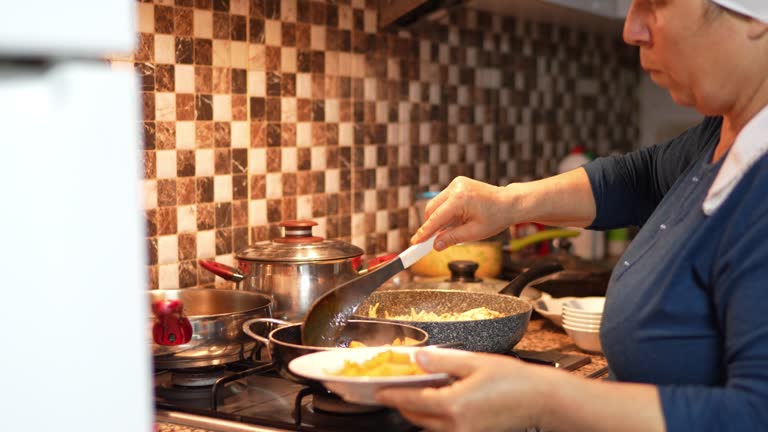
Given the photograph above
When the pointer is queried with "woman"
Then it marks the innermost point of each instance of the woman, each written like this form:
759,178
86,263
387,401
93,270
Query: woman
685,326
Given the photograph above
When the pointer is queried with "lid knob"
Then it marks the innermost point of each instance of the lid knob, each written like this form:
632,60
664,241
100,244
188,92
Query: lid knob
463,271
298,231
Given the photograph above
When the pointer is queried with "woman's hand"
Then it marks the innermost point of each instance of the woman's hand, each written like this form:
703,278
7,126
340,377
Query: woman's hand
493,393
466,210
471,210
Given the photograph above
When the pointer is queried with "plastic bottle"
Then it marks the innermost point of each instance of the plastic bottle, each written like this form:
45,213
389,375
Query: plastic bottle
618,240
573,160
590,244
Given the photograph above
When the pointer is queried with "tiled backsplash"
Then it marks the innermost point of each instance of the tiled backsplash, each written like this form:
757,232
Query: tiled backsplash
261,111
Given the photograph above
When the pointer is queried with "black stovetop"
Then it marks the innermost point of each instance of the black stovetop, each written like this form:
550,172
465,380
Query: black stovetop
254,394
266,399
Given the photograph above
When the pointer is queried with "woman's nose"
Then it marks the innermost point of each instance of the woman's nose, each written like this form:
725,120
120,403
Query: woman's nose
636,30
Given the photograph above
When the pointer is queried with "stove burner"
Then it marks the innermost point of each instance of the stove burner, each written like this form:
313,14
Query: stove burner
197,377
328,402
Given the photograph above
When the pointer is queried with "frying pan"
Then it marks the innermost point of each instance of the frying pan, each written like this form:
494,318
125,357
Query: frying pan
484,335
284,343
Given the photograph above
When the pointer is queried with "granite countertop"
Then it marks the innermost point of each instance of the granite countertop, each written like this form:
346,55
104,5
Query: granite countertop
541,335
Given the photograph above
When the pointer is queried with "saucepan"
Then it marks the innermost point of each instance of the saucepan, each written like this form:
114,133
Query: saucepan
197,327
284,343
294,269
485,335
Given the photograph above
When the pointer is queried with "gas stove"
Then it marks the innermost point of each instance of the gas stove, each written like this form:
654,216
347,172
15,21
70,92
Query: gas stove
252,396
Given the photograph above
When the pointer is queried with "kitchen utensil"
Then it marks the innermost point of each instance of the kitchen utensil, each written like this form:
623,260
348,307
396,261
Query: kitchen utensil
284,343
487,253
359,389
463,278
550,308
553,358
585,306
329,314
294,269
548,234
579,278
598,373
576,321
586,339
486,335
214,318
171,326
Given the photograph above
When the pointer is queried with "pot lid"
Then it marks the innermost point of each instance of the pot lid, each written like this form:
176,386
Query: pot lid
299,245
463,278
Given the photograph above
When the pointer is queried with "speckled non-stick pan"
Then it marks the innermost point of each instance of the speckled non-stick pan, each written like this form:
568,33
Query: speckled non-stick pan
486,335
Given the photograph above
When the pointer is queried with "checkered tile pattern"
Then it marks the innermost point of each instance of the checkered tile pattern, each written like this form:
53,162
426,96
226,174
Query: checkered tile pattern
259,111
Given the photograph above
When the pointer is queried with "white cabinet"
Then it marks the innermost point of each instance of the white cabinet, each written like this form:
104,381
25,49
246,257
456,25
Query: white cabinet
75,313
71,28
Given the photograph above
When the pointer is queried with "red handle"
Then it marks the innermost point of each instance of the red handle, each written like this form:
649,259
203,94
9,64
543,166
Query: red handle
222,270
171,326
379,260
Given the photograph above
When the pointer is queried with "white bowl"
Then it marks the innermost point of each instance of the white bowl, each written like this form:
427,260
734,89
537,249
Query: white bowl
581,315
588,305
580,320
587,327
584,339
361,390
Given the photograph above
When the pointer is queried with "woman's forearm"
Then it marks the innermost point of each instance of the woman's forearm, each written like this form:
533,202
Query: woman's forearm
575,404
562,200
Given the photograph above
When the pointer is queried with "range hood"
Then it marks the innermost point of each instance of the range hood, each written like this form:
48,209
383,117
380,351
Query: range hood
402,13
594,14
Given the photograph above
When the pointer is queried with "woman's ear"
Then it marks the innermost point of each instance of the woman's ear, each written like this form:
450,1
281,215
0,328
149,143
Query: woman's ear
757,29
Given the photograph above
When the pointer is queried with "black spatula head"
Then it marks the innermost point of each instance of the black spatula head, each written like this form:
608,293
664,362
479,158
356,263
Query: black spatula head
329,314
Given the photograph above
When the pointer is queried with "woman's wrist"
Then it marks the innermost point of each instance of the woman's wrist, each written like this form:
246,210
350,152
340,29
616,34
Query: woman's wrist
519,203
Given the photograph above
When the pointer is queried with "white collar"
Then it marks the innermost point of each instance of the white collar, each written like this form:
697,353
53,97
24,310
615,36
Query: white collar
749,146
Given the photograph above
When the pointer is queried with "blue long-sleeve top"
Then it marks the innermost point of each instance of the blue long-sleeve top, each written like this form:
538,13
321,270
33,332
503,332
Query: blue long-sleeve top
687,304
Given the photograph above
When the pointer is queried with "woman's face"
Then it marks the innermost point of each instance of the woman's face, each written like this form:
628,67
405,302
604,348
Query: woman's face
684,46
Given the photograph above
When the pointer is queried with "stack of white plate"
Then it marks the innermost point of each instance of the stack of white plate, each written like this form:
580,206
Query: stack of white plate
581,320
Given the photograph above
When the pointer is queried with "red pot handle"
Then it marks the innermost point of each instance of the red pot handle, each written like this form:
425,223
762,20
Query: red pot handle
171,326
222,270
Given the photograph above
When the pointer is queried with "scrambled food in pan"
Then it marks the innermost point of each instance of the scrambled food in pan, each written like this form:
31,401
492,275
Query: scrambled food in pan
397,342
469,315
386,363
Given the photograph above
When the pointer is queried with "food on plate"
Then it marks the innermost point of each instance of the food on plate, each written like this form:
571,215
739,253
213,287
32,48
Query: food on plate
397,342
472,314
385,363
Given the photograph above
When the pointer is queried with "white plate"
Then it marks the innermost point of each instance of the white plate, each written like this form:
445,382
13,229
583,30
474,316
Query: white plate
551,308
360,390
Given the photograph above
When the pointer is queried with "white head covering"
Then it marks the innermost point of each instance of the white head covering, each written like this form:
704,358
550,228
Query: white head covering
757,9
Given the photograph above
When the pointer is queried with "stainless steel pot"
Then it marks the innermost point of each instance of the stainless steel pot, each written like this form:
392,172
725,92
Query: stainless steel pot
197,327
294,269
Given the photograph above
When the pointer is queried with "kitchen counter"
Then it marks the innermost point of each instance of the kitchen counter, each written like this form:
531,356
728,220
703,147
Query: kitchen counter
541,335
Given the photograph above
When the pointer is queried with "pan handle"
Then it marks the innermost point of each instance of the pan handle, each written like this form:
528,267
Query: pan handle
262,339
537,270
222,270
